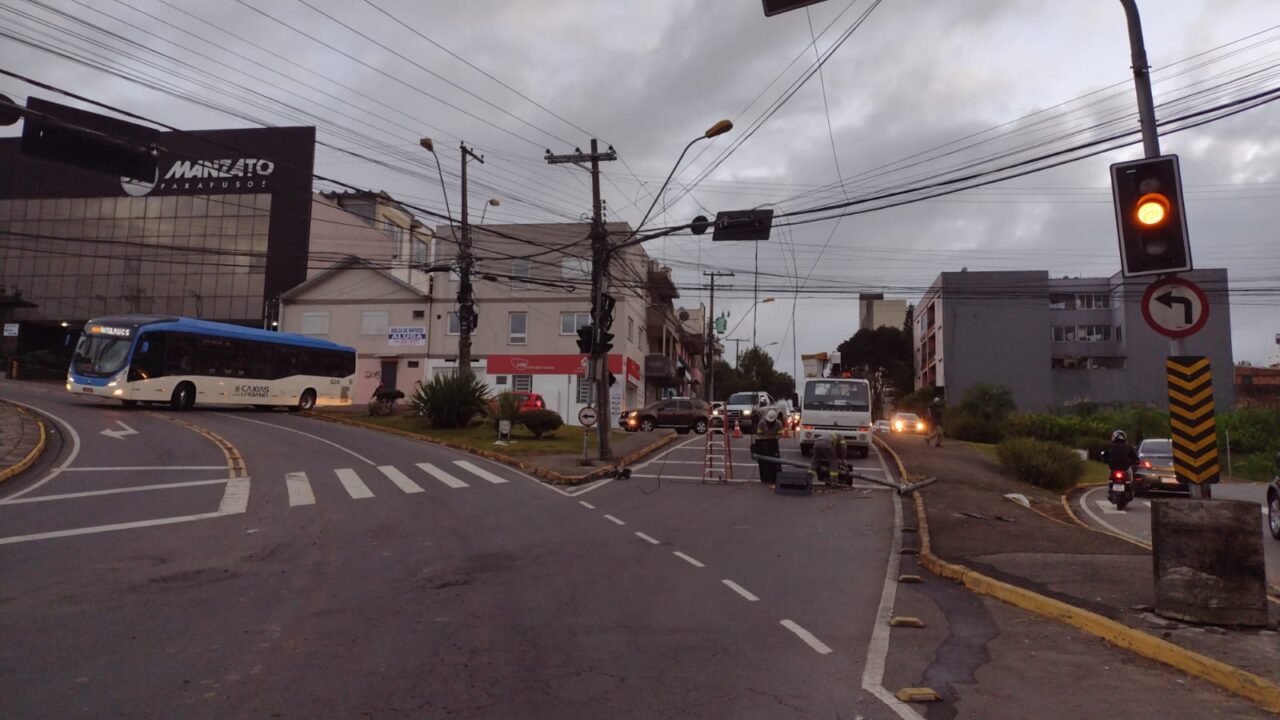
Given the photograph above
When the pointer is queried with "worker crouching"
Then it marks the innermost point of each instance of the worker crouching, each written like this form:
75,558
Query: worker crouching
828,460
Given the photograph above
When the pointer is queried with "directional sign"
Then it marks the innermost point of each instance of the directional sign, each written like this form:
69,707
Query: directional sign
1192,423
1175,307
587,416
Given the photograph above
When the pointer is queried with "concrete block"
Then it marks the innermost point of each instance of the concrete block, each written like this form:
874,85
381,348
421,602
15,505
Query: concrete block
910,579
918,695
905,621
1208,561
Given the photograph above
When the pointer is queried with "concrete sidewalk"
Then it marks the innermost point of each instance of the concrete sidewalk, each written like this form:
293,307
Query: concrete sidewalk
20,439
971,523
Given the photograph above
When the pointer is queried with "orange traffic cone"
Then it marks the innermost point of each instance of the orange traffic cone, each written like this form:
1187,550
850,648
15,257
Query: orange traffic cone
786,432
737,429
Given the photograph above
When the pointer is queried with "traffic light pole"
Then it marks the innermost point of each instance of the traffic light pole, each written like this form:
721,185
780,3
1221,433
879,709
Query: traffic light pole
466,262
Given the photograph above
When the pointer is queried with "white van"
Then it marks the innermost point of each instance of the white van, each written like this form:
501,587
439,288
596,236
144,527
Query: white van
840,405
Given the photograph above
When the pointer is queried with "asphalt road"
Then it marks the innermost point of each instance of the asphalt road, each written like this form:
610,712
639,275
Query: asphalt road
1135,520
350,573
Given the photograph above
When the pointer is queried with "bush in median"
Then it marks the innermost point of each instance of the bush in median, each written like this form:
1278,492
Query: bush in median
450,401
1043,464
541,422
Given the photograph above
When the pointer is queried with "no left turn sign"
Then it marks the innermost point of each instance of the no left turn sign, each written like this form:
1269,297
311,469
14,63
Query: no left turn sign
1175,307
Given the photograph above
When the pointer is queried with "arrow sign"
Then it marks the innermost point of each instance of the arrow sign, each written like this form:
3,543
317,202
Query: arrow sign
120,434
1175,307
1169,299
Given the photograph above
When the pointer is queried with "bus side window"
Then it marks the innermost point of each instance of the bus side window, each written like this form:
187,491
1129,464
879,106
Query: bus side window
148,357
263,366
179,356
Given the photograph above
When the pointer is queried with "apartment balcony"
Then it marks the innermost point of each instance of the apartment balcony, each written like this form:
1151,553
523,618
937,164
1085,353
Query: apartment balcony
661,286
659,367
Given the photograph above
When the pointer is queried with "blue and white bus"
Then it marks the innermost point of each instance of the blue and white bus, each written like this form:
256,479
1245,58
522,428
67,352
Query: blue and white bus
181,362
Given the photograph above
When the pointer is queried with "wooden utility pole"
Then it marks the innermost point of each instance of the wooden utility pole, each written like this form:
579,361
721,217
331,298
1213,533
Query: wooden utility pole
467,315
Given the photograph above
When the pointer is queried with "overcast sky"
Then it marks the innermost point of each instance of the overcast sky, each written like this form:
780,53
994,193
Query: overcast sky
648,77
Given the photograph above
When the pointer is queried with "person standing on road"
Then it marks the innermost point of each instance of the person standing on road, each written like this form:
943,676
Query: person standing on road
765,443
935,423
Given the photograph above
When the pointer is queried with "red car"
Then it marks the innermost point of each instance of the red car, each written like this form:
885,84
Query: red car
525,400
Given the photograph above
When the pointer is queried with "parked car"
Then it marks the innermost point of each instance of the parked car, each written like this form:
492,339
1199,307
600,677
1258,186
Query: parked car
1154,470
683,414
908,423
745,408
525,400
882,426
1273,500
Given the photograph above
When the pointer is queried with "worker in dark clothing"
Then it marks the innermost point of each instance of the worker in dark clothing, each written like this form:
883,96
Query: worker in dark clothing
935,423
1120,455
829,455
765,443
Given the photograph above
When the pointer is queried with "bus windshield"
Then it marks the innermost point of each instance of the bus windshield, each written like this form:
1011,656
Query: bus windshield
836,395
100,355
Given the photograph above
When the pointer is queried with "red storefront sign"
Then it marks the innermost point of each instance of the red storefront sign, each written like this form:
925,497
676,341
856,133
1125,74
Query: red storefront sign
553,365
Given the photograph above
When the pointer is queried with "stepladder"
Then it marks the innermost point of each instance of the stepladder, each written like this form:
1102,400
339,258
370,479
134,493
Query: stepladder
717,461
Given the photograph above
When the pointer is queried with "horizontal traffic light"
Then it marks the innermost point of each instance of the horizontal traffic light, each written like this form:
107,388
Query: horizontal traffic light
1150,216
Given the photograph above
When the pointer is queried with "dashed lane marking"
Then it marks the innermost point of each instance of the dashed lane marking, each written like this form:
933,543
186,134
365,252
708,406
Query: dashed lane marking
808,637
354,486
586,505
401,481
692,561
746,594
647,538
480,472
614,520
299,489
442,476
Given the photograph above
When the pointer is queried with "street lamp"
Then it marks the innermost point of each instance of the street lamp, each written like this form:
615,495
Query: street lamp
493,202
719,128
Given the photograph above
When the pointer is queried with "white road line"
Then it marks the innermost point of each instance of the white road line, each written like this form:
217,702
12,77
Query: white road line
71,456
1145,503
399,478
115,491
1084,505
586,505
480,472
740,590
348,451
807,637
1107,508
614,520
668,451
442,476
110,528
235,499
354,485
299,489
686,558
878,648
646,538
583,490
139,468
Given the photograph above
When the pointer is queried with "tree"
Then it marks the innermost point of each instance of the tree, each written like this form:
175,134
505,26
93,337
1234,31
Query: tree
755,371
910,319
883,356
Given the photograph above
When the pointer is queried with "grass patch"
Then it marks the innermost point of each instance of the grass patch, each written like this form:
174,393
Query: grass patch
1248,466
565,440
1094,472
988,449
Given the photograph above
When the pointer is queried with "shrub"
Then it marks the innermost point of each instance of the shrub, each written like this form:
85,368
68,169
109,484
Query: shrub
963,425
1253,430
1065,429
504,407
450,401
541,422
1093,445
1043,464
917,402
989,403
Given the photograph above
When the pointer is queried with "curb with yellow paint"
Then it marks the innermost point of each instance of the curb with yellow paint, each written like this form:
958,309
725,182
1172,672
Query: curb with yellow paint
35,452
235,461
551,476
1232,679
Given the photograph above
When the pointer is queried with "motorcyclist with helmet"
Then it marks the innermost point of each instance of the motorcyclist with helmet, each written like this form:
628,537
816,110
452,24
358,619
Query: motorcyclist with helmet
1120,455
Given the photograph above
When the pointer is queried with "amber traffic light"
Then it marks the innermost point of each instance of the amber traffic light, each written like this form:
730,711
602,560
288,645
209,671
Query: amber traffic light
1150,216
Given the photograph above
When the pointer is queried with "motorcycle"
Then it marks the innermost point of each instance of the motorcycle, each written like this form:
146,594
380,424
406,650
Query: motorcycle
1120,488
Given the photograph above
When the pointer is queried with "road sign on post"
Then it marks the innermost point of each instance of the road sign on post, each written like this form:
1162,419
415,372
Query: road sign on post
743,225
1175,307
1192,423
587,416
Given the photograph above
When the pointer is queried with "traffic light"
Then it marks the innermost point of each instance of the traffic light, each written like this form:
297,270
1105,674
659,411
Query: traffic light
612,379
586,339
1150,216
607,304
605,342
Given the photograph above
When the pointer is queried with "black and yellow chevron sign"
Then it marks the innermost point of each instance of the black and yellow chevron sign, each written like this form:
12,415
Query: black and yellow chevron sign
1191,419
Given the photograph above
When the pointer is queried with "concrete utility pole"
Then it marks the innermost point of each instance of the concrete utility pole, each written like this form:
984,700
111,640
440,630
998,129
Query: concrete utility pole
466,263
711,333
597,371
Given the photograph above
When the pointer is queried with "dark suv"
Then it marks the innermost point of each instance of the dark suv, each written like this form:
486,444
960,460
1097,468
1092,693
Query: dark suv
683,414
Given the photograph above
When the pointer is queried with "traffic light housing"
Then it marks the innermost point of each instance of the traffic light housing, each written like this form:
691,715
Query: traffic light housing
604,343
586,339
1150,216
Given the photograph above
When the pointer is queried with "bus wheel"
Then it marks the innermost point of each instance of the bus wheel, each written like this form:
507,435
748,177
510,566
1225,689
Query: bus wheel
307,401
184,396
129,403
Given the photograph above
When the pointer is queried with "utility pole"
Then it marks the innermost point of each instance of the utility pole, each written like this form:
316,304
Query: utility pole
711,333
598,360
467,315
737,349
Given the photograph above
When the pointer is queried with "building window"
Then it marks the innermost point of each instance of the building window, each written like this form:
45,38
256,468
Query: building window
522,383
455,325
575,268
518,328
1059,302
1092,301
315,323
571,321
519,269
1118,338
374,322
500,380
419,314
631,329
584,390
418,255
414,363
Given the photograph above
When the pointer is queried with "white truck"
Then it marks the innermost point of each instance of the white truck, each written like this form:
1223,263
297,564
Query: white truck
834,405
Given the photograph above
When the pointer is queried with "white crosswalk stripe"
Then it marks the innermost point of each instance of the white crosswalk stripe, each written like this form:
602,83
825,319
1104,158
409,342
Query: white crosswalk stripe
299,489
442,476
400,479
480,472
354,486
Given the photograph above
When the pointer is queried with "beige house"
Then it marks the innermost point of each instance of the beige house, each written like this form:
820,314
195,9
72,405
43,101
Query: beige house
357,303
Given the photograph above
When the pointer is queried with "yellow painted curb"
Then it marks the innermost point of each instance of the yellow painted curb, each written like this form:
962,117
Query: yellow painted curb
918,695
1245,684
32,456
905,621
551,476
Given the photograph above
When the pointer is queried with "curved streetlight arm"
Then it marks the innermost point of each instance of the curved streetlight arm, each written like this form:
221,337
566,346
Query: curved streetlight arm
431,148
666,182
